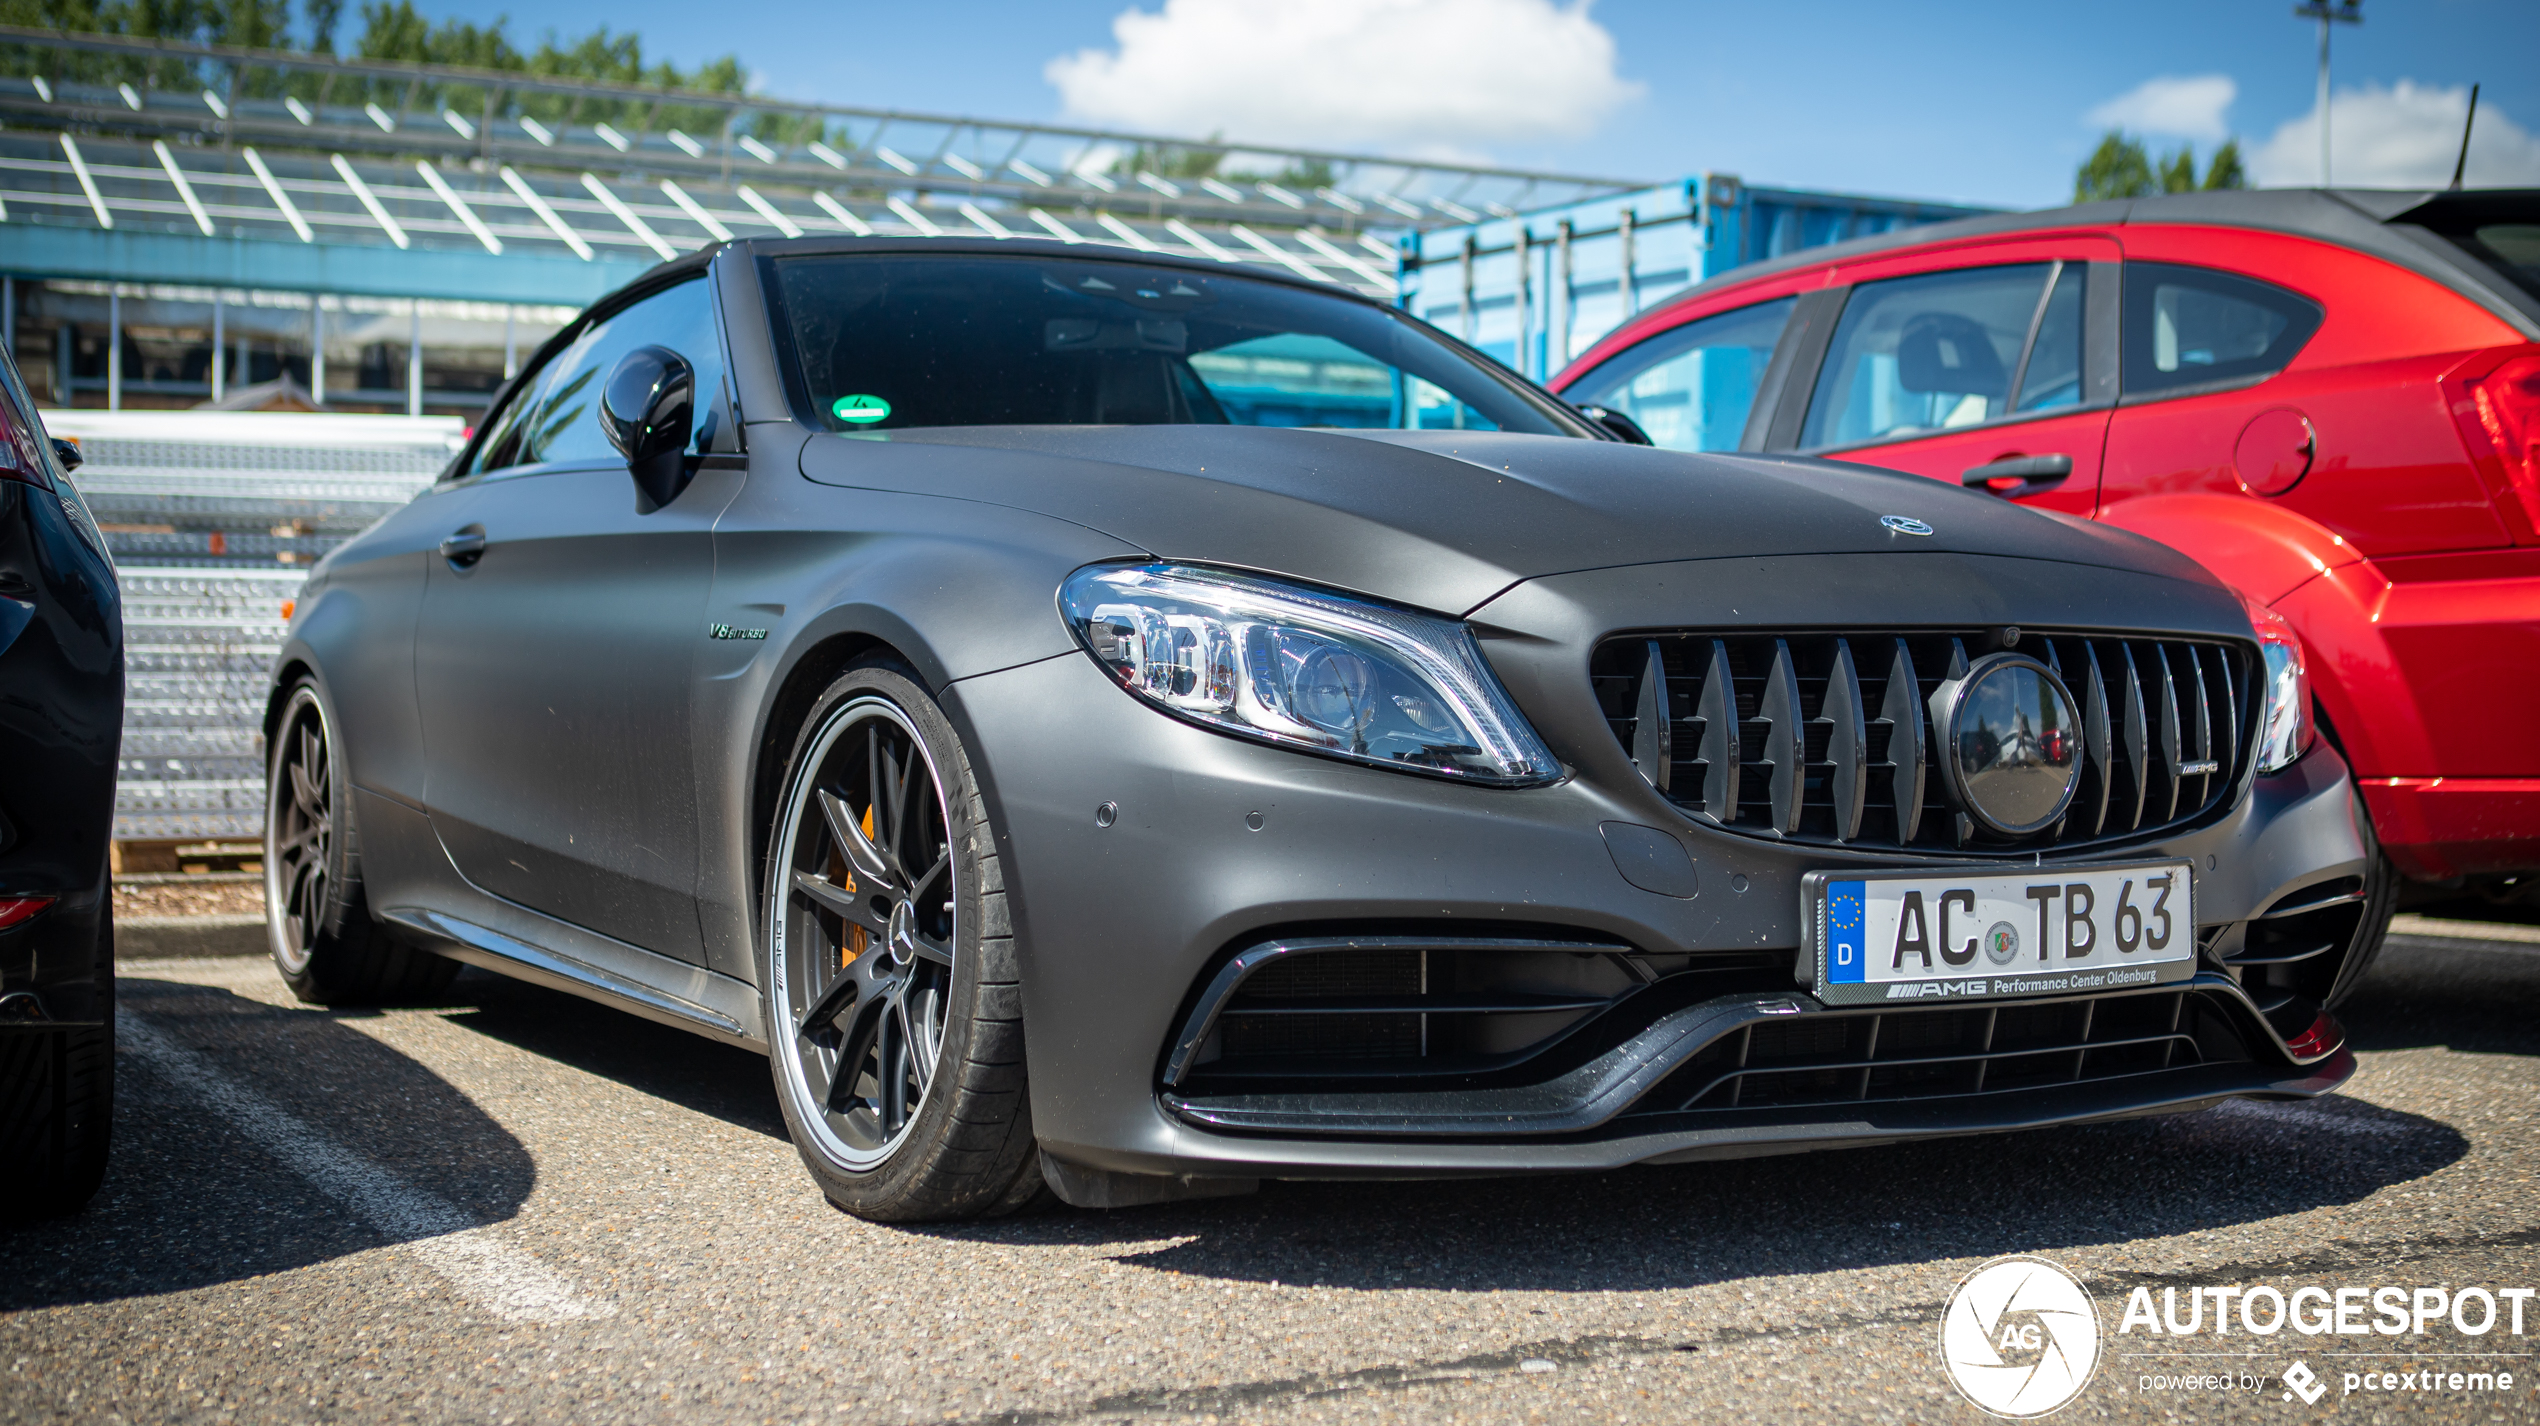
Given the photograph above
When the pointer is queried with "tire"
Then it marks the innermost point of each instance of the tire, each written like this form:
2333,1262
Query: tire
878,983
57,1103
324,942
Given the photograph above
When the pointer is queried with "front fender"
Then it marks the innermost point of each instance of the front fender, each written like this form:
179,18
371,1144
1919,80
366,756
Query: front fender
806,578
2330,592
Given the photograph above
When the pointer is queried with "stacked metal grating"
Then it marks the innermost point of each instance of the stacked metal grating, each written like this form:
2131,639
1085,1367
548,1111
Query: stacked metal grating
213,520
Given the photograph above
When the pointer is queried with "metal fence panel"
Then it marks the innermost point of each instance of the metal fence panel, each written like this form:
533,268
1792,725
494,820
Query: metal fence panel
213,520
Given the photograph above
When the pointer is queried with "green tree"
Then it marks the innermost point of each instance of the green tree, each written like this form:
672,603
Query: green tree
2224,171
397,31
2118,168
2121,167
390,30
2178,172
261,23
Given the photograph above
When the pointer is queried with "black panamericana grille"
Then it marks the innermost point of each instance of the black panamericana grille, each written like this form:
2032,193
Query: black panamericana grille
1820,737
1924,1053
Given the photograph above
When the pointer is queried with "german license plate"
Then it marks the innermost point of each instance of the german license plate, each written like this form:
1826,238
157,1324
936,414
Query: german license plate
1989,932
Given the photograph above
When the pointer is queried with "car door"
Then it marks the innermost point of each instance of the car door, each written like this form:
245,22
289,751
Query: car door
1992,367
554,653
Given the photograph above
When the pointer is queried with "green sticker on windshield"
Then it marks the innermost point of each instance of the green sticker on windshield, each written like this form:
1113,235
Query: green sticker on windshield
861,410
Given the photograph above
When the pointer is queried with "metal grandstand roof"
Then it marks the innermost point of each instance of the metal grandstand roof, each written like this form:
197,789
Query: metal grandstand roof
455,165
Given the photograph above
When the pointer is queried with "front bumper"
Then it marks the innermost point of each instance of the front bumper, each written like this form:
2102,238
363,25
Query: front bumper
1214,845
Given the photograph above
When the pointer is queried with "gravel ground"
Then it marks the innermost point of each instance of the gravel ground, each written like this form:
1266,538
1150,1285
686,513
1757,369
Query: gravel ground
515,1206
166,898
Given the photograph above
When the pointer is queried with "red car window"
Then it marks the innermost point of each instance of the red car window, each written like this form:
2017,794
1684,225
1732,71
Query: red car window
1932,352
2193,327
1691,388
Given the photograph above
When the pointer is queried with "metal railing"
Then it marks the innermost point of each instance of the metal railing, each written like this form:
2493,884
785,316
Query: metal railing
212,139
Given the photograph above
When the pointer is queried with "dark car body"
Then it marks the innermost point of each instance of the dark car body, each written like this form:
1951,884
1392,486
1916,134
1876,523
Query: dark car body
566,713
2371,472
61,725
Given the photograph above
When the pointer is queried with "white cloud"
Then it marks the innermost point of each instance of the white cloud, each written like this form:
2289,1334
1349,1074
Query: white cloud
1430,77
2172,106
2404,136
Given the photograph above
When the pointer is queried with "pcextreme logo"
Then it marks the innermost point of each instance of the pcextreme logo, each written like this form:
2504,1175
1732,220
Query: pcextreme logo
2301,1381
2020,1338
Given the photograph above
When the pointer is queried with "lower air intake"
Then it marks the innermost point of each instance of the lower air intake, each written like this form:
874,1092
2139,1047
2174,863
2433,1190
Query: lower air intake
1841,1056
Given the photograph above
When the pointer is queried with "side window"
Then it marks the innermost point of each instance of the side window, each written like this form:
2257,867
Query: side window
555,415
2052,378
1932,352
500,449
1691,388
2191,326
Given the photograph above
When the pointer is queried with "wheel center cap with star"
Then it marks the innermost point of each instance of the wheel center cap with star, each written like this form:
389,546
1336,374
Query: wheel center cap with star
903,934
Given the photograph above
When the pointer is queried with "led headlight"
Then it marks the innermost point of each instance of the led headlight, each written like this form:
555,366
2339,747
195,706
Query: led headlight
1305,669
2284,727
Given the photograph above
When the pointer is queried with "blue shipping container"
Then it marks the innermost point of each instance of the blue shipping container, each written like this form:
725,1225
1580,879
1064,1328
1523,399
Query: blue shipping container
1536,289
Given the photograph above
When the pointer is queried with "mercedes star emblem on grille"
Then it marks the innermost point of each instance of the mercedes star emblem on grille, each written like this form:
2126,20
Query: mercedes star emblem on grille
2013,741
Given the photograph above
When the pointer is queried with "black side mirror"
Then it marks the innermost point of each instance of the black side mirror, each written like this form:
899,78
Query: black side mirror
1623,427
647,410
67,452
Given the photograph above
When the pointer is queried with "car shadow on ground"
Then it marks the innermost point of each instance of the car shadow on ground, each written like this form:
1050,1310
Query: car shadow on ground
1687,1225
2469,996
721,1081
191,1201
1690,1224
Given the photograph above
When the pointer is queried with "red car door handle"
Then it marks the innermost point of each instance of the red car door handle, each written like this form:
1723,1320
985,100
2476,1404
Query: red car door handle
2019,475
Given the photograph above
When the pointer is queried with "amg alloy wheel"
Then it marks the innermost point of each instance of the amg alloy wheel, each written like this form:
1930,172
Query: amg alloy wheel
894,1022
318,925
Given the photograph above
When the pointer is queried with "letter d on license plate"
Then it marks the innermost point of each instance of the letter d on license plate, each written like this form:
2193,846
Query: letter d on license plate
1989,932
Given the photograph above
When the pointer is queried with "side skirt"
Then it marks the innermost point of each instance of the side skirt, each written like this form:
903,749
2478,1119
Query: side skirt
595,967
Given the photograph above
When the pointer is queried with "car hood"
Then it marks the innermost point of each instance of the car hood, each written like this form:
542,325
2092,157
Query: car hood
1444,520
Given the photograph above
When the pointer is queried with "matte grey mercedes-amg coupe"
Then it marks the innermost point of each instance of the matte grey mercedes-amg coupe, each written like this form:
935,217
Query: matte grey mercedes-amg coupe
1141,727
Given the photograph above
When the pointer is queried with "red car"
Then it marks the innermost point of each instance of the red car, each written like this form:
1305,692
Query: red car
2330,398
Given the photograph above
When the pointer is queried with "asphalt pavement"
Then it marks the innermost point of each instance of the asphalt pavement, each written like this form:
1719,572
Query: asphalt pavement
515,1206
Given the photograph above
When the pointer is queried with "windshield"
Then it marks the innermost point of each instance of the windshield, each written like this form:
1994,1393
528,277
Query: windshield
892,341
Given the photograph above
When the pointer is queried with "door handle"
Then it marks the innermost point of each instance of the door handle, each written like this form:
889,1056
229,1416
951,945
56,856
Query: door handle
465,548
2018,475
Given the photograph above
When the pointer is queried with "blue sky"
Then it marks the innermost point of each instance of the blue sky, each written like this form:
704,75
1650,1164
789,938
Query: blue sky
1982,102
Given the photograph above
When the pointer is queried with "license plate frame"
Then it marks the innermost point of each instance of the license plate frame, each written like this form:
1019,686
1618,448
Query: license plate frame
1996,899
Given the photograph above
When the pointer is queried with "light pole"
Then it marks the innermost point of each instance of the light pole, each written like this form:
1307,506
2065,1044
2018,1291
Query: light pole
2345,12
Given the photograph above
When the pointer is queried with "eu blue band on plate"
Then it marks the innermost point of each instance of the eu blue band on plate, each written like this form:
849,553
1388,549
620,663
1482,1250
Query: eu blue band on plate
1847,918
